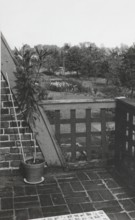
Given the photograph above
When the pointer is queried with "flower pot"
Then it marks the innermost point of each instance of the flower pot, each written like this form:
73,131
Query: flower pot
33,172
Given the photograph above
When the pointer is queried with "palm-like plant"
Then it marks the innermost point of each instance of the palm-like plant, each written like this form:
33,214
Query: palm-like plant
28,89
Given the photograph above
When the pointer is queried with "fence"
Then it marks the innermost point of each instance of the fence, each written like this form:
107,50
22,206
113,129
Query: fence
84,129
125,138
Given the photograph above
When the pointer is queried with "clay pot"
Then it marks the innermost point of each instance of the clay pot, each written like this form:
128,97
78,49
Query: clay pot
33,172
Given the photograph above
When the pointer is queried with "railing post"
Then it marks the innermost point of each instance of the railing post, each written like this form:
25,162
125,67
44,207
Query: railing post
57,125
130,135
103,133
73,134
120,133
117,138
88,133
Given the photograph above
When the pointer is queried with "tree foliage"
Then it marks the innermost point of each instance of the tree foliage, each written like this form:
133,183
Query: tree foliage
28,89
73,59
117,65
127,70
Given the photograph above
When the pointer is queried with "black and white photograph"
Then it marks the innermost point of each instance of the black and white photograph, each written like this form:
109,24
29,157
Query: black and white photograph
67,110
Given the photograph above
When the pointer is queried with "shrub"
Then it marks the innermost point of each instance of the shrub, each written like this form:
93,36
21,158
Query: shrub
68,85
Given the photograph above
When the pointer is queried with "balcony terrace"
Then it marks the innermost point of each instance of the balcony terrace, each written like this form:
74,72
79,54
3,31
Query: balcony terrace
91,142
98,184
65,193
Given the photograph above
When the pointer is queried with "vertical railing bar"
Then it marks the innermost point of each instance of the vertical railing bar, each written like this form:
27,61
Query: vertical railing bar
73,133
103,133
117,155
88,133
130,134
122,127
57,125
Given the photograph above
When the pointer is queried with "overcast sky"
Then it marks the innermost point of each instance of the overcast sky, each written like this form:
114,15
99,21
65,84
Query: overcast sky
103,22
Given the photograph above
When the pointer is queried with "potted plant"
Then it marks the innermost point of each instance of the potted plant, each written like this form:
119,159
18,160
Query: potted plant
29,92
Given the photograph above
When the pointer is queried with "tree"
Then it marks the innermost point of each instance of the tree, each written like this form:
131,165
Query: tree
113,62
127,70
92,57
73,59
105,70
52,60
63,56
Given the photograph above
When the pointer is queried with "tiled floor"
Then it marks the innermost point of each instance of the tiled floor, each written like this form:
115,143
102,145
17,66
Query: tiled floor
64,193
93,215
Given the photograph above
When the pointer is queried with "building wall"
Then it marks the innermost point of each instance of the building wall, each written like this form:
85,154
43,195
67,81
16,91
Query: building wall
10,150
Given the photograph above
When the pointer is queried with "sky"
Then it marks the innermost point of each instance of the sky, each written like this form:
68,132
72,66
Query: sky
108,23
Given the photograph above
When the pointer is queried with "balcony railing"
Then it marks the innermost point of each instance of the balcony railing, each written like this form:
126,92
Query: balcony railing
125,139
84,129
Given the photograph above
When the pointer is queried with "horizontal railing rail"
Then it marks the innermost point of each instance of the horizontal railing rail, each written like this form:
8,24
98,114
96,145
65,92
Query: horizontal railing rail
80,103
